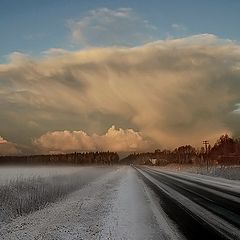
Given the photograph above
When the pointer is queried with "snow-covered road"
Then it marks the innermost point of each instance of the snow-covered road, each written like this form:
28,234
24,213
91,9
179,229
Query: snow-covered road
116,205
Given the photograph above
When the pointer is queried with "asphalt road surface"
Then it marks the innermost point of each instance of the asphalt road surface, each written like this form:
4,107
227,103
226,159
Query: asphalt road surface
200,209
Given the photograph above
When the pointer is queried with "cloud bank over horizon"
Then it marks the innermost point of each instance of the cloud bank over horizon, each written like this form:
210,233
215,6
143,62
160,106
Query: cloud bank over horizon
115,140
175,91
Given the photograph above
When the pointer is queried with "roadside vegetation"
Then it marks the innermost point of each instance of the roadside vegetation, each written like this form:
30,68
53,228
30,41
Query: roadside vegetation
22,196
231,172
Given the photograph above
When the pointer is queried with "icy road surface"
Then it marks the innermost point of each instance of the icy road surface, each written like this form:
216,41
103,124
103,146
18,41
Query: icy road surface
115,205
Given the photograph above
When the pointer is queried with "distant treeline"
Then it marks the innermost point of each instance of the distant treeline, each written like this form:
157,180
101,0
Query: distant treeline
226,151
106,158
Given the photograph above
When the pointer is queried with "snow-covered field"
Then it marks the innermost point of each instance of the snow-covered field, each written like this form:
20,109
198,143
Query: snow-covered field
114,205
25,190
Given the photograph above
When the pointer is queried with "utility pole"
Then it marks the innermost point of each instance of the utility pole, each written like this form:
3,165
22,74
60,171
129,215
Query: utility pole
206,144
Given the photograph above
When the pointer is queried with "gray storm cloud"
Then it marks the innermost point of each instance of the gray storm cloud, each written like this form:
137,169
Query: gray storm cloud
174,91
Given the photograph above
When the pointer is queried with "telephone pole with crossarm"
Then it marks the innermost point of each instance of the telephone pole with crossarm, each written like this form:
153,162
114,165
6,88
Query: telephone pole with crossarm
206,144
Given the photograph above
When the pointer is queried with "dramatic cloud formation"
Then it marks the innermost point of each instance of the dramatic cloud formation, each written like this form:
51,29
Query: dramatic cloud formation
117,140
104,27
173,92
7,148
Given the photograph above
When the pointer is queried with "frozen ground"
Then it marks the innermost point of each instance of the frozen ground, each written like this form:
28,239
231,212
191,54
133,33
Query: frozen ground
116,205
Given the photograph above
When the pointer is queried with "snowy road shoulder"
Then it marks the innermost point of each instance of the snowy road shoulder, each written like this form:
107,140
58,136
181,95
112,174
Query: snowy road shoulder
114,206
136,213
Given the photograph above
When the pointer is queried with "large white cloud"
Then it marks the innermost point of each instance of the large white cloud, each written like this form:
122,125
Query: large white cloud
117,140
174,91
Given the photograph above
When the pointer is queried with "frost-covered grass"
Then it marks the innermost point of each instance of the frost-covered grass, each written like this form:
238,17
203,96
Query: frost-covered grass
228,172
21,195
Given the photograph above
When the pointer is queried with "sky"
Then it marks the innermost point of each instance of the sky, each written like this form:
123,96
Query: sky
117,75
